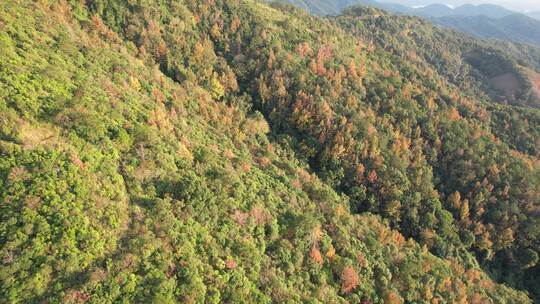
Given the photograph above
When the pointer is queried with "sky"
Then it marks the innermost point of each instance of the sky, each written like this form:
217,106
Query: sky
518,5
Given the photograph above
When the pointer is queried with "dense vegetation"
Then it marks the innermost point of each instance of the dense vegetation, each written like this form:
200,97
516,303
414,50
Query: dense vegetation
211,151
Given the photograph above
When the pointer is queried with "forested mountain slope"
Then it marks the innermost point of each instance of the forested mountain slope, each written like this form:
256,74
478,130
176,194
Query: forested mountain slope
508,72
480,68
230,151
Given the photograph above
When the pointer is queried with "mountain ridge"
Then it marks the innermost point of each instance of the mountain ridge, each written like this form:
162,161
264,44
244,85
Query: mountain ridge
493,22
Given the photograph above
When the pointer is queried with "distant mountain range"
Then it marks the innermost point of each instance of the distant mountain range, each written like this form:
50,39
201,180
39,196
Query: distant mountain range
515,27
514,5
484,20
467,10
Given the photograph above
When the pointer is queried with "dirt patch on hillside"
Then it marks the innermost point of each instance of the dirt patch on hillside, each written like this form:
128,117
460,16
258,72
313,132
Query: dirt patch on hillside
507,83
535,80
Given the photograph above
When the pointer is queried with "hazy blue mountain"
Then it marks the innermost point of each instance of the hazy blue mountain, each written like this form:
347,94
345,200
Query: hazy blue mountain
514,5
317,7
515,27
393,7
489,10
433,10
535,15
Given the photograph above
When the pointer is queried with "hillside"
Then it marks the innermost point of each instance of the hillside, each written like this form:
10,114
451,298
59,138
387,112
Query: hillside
468,63
498,68
160,151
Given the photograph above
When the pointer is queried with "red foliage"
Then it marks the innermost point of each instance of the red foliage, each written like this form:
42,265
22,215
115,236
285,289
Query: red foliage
349,279
315,254
230,264
76,296
372,177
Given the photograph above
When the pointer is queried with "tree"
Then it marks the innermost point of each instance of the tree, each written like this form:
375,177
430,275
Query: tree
315,254
527,258
349,279
464,210
454,200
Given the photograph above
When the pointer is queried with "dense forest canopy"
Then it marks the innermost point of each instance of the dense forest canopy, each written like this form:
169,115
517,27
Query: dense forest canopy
212,151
